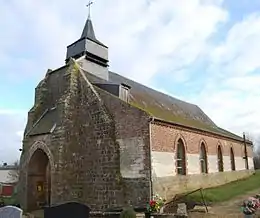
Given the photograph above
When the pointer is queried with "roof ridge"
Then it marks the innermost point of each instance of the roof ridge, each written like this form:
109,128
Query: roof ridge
148,87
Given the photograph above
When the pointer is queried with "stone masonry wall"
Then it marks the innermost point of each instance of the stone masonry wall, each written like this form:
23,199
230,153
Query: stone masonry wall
132,135
51,144
90,155
99,129
106,157
99,150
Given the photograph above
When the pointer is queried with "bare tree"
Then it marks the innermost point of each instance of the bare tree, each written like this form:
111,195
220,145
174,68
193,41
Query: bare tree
14,172
257,145
257,152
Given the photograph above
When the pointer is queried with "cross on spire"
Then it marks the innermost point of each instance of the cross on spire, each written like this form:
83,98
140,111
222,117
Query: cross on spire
89,5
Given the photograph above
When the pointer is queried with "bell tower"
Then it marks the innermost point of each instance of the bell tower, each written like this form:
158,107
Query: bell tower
89,52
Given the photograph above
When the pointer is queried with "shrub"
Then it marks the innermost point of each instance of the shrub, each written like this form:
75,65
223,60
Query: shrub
128,213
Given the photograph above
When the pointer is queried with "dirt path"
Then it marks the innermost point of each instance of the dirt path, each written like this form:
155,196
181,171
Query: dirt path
231,208
233,205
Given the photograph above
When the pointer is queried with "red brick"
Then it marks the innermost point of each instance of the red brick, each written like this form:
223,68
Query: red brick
165,136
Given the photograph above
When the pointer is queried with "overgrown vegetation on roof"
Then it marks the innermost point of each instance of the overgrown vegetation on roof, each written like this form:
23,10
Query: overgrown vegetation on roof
163,106
171,117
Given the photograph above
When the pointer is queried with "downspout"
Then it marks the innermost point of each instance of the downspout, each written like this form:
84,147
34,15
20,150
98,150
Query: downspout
150,153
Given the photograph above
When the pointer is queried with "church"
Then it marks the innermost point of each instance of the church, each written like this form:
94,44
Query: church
96,137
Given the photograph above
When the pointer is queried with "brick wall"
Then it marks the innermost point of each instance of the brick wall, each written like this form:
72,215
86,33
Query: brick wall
164,141
164,138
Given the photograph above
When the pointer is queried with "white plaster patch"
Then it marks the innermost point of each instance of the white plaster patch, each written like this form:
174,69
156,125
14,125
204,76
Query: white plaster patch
250,163
163,164
132,157
193,166
227,163
212,163
240,163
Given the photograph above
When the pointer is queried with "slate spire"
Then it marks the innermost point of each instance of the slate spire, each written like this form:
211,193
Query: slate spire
88,31
88,45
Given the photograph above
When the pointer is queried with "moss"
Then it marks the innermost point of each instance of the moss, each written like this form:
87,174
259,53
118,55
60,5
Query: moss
165,115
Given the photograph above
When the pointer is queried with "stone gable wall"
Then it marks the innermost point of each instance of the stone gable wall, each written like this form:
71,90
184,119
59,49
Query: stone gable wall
133,138
90,156
48,142
100,146
48,93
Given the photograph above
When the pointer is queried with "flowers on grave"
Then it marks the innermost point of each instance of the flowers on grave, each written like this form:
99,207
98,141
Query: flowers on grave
250,205
155,204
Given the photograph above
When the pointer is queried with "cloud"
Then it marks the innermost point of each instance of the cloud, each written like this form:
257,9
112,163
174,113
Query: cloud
148,40
238,54
12,124
231,93
158,35
164,38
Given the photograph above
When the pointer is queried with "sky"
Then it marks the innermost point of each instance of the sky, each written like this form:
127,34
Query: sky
202,51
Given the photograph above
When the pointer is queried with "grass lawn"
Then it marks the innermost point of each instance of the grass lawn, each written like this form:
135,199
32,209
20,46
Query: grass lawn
229,190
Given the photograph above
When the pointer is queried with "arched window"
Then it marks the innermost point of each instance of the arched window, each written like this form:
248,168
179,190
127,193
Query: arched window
232,159
220,160
203,158
181,158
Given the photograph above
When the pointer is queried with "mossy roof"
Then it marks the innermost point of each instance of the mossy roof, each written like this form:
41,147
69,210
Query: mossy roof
165,107
156,104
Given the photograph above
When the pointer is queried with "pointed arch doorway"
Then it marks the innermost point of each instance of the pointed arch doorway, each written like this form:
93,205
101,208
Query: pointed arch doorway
38,181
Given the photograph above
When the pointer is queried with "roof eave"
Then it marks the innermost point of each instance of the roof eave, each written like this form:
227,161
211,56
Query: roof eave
196,129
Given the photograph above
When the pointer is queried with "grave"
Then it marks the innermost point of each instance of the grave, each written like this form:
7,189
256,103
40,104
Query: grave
67,210
10,212
182,210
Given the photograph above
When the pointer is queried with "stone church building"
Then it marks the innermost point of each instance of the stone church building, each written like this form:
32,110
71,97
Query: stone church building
96,137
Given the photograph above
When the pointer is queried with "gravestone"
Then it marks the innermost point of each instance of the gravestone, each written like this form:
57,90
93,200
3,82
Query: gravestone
67,210
11,212
182,209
